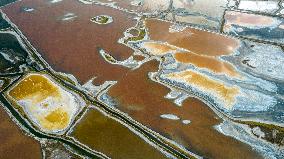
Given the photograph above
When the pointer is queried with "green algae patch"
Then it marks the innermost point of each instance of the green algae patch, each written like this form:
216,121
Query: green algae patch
102,19
4,25
141,35
6,81
12,56
272,133
108,136
5,2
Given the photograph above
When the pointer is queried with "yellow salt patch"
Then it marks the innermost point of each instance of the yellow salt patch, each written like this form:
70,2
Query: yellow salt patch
210,63
158,48
45,102
56,120
225,93
35,85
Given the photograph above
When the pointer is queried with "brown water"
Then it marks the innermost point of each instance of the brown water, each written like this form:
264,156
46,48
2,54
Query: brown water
71,46
147,6
213,64
196,41
111,138
202,61
14,143
245,19
144,101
